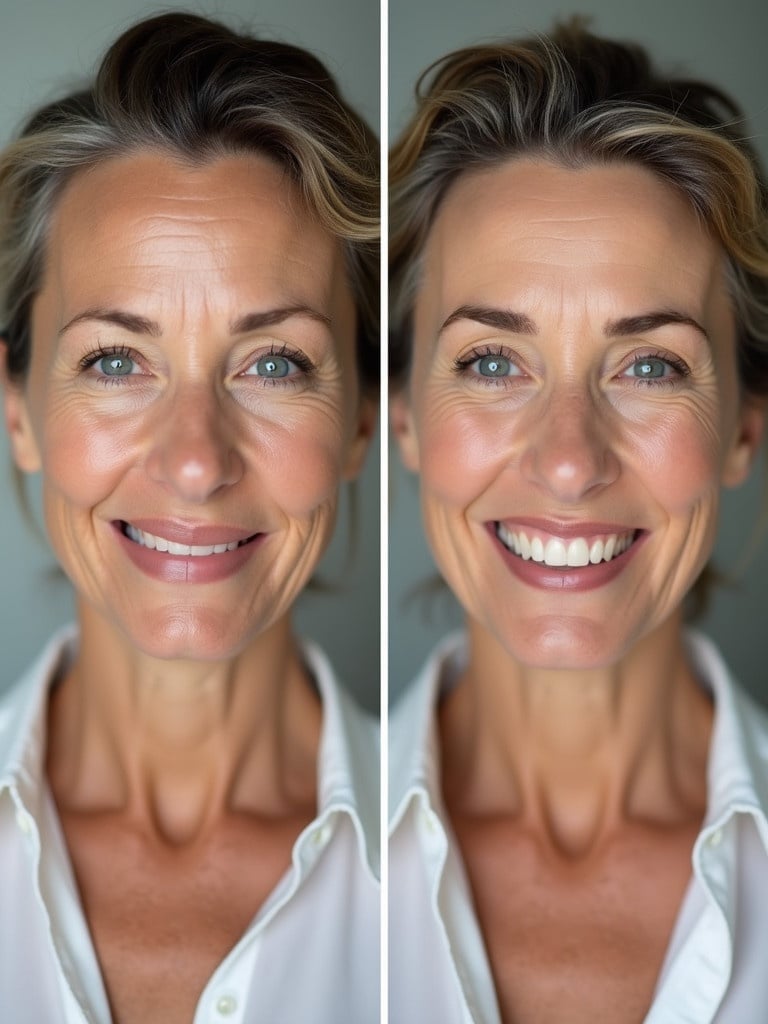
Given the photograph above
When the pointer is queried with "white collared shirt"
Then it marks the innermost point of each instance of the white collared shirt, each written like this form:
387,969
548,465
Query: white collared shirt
716,967
311,954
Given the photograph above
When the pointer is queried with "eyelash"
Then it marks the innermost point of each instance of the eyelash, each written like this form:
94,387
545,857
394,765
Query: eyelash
92,358
302,361
299,359
461,364
681,369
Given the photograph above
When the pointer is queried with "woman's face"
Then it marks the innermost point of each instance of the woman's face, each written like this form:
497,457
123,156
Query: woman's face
192,383
573,407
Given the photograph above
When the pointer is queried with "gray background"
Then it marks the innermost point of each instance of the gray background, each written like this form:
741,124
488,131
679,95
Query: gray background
46,46
724,42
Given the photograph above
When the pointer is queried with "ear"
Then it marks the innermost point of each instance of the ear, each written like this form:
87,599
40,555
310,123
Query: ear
403,429
366,426
26,454
744,448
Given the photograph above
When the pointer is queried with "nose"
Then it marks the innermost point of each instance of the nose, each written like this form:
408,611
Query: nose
569,451
194,450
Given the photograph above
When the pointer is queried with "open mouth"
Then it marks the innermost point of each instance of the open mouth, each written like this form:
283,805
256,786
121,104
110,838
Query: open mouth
157,543
559,553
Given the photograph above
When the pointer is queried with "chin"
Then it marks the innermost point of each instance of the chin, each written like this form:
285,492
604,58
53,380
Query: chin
191,637
565,644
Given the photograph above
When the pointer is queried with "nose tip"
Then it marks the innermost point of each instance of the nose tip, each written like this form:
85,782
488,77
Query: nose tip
194,452
570,454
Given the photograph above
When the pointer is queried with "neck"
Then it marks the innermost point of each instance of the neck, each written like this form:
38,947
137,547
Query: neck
176,745
576,754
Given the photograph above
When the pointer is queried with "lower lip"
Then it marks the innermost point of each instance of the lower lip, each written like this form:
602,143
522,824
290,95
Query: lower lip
166,568
572,579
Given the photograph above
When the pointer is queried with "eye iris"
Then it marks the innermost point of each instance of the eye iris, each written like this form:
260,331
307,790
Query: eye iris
649,368
494,366
116,366
273,366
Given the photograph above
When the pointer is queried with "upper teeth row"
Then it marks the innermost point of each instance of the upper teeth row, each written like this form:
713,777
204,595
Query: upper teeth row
149,540
560,553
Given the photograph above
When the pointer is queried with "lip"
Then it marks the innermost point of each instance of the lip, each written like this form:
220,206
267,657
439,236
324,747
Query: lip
181,532
571,579
167,568
567,528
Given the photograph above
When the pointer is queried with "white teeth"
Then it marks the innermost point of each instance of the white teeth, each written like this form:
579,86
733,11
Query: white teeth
560,553
578,552
555,553
149,540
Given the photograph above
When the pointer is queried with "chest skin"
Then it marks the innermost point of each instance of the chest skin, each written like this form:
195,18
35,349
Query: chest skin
162,918
581,942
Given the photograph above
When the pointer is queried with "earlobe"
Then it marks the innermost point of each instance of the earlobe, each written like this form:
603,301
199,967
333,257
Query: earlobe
741,457
401,418
26,454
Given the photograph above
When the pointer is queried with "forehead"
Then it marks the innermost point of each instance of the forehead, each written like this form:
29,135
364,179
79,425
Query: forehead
233,229
539,228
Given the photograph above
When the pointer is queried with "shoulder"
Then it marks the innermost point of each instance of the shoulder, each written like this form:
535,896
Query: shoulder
22,704
348,765
413,753
738,761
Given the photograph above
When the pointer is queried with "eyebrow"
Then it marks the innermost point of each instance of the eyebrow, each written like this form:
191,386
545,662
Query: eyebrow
624,327
244,324
629,325
501,319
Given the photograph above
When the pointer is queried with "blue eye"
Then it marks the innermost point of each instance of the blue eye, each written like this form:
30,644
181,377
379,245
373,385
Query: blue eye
494,366
116,365
272,367
649,369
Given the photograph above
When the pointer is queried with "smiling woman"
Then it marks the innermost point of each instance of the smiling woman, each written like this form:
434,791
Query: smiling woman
188,276
580,351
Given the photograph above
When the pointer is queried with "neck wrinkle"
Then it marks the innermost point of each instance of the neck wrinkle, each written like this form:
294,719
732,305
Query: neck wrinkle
174,746
574,756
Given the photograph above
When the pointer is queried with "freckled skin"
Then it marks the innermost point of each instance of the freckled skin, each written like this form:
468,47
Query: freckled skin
191,436
572,437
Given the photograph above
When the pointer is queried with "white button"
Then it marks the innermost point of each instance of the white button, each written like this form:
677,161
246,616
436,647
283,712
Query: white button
715,838
226,1005
24,821
321,835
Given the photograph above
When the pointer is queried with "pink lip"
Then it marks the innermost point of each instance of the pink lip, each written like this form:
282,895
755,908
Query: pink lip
564,528
571,579
167,568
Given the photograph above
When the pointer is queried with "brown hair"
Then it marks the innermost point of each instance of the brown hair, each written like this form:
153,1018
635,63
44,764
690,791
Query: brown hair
198,90
577,99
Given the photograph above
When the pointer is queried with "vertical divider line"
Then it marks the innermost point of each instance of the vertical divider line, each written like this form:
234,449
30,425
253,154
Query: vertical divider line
384,506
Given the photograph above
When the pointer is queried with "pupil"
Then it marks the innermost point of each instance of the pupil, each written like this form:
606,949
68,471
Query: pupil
273,366
494,366
116,366
652,369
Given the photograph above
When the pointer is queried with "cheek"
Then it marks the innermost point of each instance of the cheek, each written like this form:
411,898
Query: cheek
84,456
300,462
462,451
679,462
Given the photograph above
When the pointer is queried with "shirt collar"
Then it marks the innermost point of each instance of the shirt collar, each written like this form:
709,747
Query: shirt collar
347,761
738,758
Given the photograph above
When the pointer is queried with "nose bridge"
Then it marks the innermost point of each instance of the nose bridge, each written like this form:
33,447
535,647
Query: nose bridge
194,449
570,448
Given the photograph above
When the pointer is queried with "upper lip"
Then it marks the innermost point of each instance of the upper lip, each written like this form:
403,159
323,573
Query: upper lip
561,528
192,534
